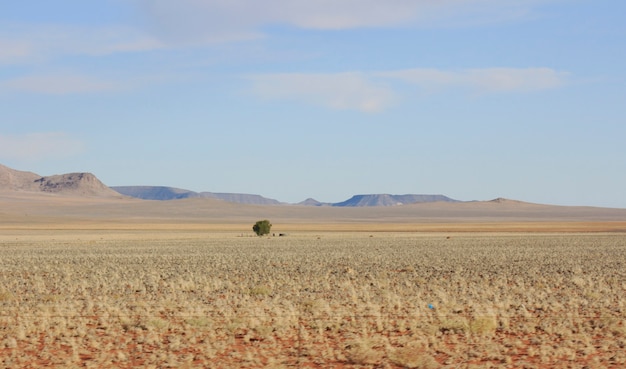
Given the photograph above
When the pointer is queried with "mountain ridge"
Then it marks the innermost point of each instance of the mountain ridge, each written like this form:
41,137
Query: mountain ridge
84,184
391,200
27,200
87,184
171,193
164,193
78,184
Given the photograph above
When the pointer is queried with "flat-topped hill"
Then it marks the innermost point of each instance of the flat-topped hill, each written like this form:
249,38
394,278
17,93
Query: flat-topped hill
27,199
78,184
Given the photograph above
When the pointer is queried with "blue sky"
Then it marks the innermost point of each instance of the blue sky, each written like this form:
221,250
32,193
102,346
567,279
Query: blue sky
290,99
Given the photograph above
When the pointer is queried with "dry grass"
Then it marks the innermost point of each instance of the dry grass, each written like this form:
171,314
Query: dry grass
181,297
192,228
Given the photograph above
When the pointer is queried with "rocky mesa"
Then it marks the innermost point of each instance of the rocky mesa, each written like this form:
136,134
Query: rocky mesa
76,184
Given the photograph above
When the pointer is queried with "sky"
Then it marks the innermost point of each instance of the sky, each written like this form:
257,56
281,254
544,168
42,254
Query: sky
291,99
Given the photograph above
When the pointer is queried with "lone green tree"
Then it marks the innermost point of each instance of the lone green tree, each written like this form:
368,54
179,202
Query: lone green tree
262,227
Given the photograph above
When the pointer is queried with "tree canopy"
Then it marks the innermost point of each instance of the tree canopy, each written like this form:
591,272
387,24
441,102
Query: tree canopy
262,227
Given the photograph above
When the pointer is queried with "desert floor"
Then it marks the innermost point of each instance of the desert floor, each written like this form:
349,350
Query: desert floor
462,295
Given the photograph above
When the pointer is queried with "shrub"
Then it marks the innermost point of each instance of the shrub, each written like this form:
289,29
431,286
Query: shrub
262,227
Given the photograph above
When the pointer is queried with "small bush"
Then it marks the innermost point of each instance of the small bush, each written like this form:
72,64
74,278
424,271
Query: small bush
262,227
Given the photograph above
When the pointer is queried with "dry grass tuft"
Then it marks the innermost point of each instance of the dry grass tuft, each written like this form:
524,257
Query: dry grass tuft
484,325
363,352
413,357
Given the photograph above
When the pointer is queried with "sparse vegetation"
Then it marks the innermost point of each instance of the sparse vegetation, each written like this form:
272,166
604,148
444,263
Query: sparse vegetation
262,227
403,300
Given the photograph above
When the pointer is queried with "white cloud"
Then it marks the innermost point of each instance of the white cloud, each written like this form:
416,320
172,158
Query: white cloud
60,84
373,92
39,146
169,24
344,91
210,20
485,80
32,44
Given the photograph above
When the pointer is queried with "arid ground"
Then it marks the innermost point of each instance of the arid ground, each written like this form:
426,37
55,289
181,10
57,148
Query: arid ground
125,284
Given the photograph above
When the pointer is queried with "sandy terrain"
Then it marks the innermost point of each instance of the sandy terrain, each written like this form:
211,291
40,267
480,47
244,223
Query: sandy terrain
124,283
50,210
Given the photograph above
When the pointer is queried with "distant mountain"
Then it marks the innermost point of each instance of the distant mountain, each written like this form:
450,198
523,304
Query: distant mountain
17,180
86,184
241,198
391,200
313,202
171,193
154,192
80,184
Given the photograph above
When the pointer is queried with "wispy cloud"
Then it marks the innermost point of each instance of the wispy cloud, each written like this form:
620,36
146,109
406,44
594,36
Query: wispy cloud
13,51
194,23
187,20
33,44
170,24
351,91
484,80
58,84
39,146
213,16
374,92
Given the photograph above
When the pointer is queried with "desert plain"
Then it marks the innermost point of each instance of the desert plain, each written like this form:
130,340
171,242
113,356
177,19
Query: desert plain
126,283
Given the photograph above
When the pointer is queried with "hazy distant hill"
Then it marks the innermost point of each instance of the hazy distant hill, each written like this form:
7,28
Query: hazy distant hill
313,202
241,198
154,192
171,193
79,184
26,197
391,200
86,184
